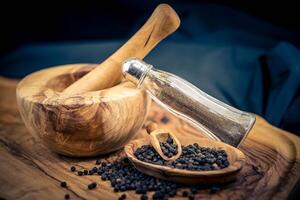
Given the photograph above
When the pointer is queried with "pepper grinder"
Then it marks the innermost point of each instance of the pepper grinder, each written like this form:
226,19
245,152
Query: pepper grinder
214,118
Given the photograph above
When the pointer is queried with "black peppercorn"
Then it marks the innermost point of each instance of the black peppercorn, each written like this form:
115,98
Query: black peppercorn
90,172
193,156
80,173
92,186
67,196
94,169
73,169
63,184
144,197
123,176
126,160
104,177
100,172
98,162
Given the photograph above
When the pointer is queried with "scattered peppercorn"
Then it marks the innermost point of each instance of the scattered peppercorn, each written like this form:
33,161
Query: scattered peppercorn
123,177
85,172
67,196
98,162
94,170
144,197
90,172
193,157
92,186
80,173
126,160
63,184
73,169
122,197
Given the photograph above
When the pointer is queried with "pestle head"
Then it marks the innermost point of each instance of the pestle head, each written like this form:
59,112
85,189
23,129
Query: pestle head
135,70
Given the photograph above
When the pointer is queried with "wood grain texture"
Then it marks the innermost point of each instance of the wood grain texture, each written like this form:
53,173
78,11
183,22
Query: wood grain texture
86,124
29,170
235,157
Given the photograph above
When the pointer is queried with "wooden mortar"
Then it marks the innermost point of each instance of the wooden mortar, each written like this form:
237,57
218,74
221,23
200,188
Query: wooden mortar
86,109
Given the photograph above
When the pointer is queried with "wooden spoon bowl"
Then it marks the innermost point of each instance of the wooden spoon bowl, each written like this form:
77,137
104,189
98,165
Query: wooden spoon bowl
161,135
86,124
236,160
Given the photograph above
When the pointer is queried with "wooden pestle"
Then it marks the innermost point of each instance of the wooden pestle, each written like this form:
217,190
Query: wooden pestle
161,23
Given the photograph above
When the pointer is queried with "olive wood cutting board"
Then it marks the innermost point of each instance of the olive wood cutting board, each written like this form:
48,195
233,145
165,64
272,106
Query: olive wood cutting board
29,170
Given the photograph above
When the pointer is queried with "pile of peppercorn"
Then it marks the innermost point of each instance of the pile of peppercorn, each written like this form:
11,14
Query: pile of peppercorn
123,177
169,147
193,157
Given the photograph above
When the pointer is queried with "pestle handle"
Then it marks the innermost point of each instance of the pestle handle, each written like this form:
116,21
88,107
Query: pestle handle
161,23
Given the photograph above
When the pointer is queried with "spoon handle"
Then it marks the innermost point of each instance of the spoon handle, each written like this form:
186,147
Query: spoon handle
150,126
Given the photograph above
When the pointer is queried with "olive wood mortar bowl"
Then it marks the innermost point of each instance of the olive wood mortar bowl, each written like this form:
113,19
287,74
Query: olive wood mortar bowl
84,124
236,160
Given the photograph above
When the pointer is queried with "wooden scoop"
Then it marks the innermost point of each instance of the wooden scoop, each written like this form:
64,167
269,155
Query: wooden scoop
160,135
162,22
